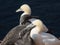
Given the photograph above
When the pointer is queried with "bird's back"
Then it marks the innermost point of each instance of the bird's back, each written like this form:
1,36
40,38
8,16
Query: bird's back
12,35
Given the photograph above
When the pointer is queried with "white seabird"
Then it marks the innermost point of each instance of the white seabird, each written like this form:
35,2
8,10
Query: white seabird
40,37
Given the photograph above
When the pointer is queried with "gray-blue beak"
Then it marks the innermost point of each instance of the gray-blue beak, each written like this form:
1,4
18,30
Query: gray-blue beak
18,10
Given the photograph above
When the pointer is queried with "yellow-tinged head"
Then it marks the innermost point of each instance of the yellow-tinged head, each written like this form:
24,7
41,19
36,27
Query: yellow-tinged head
39,28
39,24
26,8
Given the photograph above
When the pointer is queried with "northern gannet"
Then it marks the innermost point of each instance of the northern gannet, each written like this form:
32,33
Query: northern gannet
40,36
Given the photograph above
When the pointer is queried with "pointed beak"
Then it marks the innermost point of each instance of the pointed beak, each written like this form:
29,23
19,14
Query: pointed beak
18,10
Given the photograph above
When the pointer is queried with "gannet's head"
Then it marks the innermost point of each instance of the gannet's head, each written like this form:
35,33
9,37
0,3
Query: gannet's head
39,28
26,8
40,25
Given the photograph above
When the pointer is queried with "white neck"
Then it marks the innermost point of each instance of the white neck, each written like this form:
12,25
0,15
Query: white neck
34,32
25,14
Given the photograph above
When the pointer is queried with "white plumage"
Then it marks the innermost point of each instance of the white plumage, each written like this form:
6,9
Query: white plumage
38,32
25,8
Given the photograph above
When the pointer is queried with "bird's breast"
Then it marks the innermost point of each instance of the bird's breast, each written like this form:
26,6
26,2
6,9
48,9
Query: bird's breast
34,32
48,37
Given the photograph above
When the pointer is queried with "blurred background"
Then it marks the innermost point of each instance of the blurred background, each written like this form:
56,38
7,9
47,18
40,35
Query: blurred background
47,10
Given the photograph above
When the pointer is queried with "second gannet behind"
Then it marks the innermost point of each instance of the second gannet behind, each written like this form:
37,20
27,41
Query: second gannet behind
40,36
34,34
40,27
